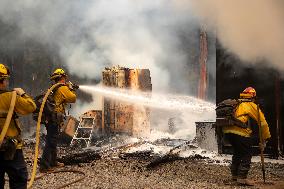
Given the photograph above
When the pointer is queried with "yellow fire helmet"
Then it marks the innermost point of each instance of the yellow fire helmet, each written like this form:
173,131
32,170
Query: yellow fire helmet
249,92
4,72
59,72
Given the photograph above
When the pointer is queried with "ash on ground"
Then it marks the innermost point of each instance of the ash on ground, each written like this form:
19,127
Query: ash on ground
123,162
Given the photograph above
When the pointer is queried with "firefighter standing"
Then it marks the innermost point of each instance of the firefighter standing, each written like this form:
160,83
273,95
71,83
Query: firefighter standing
11,155
62,95
240,137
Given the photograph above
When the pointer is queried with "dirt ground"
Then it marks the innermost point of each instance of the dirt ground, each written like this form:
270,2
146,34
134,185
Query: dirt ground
131,172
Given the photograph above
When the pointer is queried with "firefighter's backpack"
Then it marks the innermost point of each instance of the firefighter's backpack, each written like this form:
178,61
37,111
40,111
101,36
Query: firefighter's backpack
49,107
225,112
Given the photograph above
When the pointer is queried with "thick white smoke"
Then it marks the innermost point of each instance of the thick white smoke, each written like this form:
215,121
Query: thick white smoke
90,35
252,29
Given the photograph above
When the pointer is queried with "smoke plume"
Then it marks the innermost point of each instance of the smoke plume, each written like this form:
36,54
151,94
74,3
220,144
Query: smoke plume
91,35
253,30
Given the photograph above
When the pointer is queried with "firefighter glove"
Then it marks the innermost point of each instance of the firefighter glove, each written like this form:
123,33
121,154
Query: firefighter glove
19,91
72,86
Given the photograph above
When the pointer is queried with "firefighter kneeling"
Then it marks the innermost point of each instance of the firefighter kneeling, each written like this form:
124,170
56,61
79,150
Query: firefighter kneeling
240,137
11,155
60,96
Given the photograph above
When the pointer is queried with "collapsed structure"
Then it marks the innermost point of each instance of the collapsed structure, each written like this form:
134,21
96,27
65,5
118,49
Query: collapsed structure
116,116
122,117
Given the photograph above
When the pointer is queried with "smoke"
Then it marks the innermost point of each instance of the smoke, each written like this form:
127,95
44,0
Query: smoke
253,30
91,35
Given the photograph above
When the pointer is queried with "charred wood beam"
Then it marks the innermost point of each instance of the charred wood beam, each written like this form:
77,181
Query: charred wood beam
141,155
80,157
172,155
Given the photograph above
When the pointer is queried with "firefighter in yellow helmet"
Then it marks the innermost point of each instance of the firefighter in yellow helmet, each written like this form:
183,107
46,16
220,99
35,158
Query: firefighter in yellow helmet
240,137
63,94
11,155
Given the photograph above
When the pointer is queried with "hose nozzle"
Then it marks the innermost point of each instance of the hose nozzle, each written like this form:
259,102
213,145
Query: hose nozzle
72,86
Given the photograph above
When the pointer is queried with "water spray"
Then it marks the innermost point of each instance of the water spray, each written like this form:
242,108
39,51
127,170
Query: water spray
153,100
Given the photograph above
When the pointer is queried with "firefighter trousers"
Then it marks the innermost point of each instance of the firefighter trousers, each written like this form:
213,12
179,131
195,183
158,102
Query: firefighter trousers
16,170
241,160
49,155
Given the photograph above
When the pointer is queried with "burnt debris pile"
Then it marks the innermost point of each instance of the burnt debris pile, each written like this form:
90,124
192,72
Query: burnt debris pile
155,153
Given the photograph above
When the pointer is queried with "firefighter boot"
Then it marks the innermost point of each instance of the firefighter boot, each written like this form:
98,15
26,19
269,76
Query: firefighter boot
234,177
242,178
58,164
245,182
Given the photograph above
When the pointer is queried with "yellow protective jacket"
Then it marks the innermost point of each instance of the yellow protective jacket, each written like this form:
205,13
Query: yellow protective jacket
243,112
62,96
24,105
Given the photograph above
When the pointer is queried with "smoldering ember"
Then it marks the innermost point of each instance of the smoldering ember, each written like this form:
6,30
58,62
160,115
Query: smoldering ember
141,94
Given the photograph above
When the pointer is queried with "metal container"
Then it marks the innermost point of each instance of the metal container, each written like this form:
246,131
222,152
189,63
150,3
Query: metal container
206,136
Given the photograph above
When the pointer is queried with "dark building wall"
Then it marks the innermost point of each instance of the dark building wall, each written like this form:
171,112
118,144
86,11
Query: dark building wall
233,77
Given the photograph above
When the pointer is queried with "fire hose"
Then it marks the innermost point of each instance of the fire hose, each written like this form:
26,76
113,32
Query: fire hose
62,171
38,134
5,129
33,178
9,117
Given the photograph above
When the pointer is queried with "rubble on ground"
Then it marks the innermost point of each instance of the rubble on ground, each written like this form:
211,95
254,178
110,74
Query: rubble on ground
126,165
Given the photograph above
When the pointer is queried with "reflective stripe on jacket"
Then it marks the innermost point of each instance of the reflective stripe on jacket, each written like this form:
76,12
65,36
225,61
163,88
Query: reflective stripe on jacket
24,105
243,112
62,96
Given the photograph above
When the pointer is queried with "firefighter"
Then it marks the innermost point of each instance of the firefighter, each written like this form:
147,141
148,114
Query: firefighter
11,155
240,138
62,95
